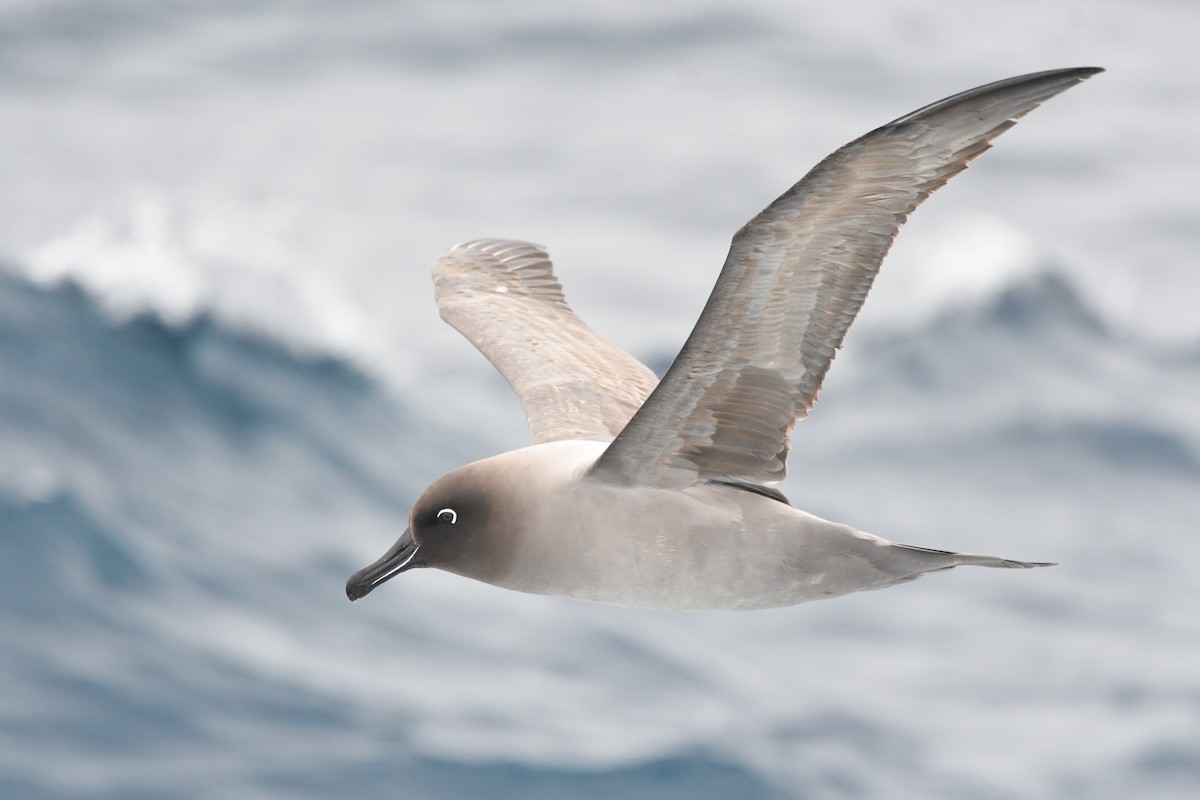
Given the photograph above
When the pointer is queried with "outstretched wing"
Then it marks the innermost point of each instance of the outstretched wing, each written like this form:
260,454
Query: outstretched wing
504,298
795,278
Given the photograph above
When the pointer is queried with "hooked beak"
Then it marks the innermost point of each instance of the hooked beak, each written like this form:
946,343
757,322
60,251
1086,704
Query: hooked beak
396,560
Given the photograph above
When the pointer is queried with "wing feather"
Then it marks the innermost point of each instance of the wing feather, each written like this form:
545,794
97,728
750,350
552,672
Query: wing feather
573,384
793,282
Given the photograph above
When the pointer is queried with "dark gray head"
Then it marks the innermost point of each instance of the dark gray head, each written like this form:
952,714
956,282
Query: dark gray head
452,526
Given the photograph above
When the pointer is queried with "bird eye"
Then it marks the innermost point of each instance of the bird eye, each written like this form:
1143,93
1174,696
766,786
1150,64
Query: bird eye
448,515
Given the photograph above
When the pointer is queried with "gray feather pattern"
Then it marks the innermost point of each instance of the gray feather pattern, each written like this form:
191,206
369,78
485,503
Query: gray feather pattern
573,384
793,282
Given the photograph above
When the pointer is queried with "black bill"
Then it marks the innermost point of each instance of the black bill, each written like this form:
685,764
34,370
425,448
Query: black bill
399,558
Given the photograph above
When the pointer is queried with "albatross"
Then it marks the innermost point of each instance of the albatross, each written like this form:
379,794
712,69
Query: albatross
661,494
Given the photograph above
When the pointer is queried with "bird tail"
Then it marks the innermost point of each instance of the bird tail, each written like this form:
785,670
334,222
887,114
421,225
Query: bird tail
944,559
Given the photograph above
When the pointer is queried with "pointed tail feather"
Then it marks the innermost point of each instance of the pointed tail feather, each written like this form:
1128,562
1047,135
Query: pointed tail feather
949,559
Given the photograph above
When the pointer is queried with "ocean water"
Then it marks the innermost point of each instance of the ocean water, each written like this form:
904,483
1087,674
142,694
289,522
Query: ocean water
223,380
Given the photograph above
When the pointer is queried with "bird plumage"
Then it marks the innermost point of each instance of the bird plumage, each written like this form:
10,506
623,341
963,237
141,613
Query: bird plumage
658,493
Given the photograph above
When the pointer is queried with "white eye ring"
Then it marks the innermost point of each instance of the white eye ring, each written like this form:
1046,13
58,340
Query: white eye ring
448,515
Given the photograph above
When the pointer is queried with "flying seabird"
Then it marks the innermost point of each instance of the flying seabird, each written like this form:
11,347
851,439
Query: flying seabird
660,494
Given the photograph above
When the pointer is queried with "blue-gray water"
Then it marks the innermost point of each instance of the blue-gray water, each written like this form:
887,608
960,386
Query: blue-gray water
222,381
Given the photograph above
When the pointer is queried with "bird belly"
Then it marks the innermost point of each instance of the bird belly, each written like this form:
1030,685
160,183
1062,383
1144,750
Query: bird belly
706,548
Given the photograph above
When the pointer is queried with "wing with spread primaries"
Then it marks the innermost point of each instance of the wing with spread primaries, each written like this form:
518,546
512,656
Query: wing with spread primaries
795,278
504,298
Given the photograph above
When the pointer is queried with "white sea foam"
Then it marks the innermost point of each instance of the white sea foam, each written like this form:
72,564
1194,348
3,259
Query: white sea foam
237,261
964,258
